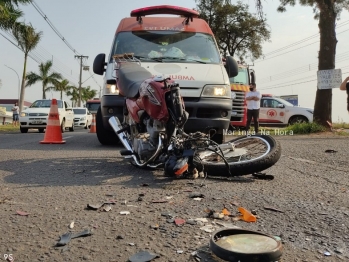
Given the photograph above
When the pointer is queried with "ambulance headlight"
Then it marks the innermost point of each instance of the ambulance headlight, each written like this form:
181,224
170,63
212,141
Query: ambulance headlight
216,91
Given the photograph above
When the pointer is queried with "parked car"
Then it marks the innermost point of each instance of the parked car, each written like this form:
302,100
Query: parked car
83,117
36,116
278,112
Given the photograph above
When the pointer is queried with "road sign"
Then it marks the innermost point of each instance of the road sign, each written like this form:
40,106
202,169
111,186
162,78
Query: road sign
327,79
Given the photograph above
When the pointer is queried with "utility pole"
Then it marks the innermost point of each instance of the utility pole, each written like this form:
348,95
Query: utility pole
80,57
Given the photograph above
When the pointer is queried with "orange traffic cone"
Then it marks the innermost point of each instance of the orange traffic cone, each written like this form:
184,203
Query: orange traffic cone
53,133
93,125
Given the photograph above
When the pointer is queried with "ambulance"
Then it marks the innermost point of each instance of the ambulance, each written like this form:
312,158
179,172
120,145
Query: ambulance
178,45
275,111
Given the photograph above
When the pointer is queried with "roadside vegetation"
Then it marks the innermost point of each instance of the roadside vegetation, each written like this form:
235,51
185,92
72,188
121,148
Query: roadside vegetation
8,128
305,128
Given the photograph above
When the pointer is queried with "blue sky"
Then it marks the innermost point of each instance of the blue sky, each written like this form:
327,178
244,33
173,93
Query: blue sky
89,26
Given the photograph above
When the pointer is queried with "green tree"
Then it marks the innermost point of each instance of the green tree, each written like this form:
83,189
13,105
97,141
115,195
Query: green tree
27,40
45,76
327,13
62,86
9,12
88,93
236,30
74,94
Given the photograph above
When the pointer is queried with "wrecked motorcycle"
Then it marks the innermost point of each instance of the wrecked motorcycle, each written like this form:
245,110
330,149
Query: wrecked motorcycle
153,135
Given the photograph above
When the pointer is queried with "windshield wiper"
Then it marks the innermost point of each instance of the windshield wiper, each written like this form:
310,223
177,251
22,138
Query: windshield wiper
183,59
158,59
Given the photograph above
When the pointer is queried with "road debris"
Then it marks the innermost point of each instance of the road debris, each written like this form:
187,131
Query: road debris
22,213
124,212
208,228
71,225
331,151
196,195
143,256
273,209
106,208
179,221
247,216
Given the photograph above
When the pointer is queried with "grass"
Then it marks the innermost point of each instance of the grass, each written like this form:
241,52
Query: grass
8,128
340,125
305,128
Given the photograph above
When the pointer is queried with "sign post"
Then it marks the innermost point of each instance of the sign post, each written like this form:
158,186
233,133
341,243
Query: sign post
328,79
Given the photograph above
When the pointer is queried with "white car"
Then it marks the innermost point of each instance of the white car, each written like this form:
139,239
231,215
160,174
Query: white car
83,117
279,112
36,116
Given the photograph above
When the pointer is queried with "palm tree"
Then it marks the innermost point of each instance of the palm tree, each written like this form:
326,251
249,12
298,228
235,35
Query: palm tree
27,40
45,76
88,93
74,93
9,13
62,86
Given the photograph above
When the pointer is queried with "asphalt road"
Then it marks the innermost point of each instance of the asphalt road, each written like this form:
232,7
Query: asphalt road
54,183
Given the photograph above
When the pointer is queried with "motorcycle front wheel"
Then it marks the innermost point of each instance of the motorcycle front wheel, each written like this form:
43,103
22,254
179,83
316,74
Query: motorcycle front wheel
251,154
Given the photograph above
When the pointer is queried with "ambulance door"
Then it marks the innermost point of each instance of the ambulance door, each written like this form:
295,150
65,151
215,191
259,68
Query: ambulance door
272,111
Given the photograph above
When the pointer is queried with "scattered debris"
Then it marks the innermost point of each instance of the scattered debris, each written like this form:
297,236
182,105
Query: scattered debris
218,215
145,184
154,226
71,225
22,213
131,244
110,195
226,224
273,209
106,208
235,203
203,220
247,216
159,201
167,214
169,197
197,198
191,222
208,228
327,254
99,206
143,256
225,212
119,237
180,251
124,212
64,239
331,151
179,221
262,176
196,195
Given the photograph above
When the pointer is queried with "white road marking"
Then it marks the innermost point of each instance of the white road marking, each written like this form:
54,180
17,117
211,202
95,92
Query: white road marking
67,137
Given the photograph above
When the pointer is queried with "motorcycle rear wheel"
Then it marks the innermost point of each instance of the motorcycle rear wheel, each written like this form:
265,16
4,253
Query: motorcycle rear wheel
252,154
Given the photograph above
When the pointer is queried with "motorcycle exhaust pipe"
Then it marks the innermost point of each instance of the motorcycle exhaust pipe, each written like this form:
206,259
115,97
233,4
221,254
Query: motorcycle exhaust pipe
116,125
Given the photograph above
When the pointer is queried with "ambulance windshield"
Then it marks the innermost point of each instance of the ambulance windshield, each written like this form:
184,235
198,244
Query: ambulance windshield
167,46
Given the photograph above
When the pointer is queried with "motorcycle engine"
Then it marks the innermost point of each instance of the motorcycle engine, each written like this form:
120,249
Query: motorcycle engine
146,144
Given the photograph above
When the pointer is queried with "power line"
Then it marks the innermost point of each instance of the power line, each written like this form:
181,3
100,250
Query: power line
52,26
299,70
278,86
297,43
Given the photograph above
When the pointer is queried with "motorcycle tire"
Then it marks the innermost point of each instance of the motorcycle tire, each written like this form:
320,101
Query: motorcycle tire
248,166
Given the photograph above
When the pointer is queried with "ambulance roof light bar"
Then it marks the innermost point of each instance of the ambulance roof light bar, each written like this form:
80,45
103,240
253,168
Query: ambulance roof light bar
267,95
164,9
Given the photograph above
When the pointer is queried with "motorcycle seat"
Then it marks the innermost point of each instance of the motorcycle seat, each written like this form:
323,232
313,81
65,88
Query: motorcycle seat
131,76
